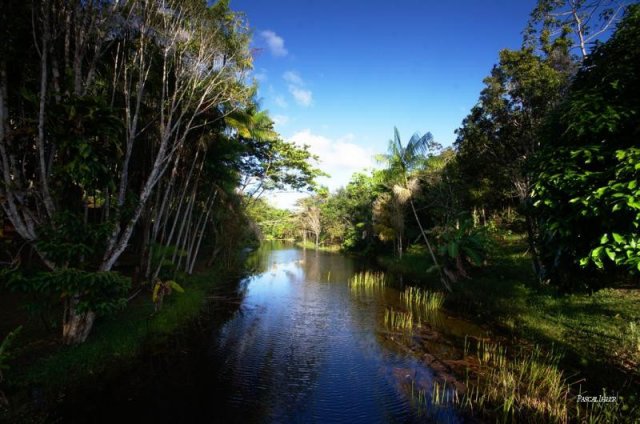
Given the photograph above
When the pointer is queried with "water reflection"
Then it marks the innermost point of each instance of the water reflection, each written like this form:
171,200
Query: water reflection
304,348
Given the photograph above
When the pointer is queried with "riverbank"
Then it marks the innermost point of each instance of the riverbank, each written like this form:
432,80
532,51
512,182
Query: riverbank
598,333
50,369
310,245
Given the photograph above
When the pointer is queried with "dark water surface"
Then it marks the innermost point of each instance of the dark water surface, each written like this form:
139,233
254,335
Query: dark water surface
300,348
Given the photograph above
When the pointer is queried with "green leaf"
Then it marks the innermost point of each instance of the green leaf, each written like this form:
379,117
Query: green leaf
175,286
595,253
604,239
475,258
633,203
610,253
156,291
618,238
452,249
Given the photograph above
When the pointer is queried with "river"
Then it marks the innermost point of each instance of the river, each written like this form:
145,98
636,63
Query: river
299,346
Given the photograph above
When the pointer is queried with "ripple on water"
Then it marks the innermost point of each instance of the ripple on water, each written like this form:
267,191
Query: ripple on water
303,350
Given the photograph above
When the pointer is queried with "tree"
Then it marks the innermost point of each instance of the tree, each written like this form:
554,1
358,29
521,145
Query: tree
116,91
274,223
586,187
402,161
388,219
310,216
267,162
501,135
585,20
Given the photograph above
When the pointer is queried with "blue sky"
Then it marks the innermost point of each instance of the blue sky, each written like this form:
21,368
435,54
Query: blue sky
339,75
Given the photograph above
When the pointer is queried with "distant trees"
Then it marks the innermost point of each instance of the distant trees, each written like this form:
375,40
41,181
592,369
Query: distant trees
550,149
273,223
309,216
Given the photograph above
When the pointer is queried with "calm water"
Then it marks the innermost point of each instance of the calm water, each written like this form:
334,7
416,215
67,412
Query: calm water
296,346
304,348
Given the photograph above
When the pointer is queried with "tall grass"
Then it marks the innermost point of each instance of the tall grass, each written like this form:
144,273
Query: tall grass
422,300
367,282
632,338
398,320
368,279
526,386
605,412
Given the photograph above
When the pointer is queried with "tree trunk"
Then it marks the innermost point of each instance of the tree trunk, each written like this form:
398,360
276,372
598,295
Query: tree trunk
443,277
535,257
76,325
200,236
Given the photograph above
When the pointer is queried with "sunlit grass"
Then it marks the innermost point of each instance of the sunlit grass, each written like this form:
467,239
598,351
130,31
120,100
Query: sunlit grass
632,339
527,386
422,301
398,320
367,282
368,279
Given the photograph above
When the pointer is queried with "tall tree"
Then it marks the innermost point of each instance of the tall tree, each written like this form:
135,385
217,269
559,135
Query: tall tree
585,20
501,134
402,161
117,89
587,183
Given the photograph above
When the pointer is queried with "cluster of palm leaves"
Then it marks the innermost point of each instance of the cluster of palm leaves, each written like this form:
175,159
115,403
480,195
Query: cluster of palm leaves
402,161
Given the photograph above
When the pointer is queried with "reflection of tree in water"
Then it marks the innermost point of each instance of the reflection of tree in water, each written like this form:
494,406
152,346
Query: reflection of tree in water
326,267
304,347
259,260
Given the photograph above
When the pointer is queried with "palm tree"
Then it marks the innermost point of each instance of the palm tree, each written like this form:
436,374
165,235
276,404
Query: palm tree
401,162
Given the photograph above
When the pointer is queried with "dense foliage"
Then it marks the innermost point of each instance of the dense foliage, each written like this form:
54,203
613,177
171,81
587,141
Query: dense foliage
129,132
131,141
550,150
587,186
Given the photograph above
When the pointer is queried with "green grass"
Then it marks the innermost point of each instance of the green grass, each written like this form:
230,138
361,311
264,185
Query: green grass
398,320
597,330
422,301
525,386
594,328
311,245
367,282
413,264
118,338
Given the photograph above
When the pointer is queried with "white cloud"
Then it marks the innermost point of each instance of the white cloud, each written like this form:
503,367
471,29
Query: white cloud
292,77
280,101
339,158
302,96
275,43
286,200
280,119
